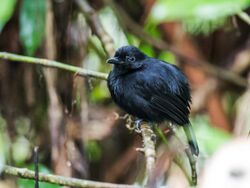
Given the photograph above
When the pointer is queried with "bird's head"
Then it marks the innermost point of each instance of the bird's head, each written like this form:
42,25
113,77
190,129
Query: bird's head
127,58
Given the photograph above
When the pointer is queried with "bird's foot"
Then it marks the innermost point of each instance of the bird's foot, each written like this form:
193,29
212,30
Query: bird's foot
130,123
138,125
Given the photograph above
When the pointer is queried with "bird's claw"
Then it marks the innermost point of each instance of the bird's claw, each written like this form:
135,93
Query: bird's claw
138,125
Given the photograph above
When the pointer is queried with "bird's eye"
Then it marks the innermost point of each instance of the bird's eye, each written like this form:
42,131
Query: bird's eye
130,59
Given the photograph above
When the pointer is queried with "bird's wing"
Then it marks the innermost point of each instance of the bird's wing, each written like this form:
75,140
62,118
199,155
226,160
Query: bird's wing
169,97
173,108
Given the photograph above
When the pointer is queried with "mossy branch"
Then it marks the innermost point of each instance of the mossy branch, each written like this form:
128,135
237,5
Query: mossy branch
55,64
60,180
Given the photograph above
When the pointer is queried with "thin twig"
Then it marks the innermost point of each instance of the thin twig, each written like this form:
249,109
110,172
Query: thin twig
36,161
61,180
149,149
138,31
55,64
96,26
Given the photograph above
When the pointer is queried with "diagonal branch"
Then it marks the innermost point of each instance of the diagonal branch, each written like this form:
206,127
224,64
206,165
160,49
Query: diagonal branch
244,16
61,180
55,64
96,26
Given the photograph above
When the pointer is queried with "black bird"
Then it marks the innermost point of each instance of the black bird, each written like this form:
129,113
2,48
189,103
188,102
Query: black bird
151,90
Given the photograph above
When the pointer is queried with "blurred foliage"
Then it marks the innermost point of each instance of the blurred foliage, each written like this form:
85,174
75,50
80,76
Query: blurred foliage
100,92
93,150
32,24
18,150
25,183
229,103
92,61
168,57
6,11
112,26
21,150
3,146
209,138
133,40
198,16
96,46
22,125
147,49
21,147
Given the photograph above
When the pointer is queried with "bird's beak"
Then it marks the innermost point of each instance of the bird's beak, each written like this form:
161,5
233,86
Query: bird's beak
113,60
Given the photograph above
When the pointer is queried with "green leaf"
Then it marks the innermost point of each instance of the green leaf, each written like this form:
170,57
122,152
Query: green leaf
32,24
24,183
189,9
197,26
197,15
6,11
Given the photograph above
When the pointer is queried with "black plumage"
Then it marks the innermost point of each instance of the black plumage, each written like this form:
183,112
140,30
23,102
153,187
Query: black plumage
151,89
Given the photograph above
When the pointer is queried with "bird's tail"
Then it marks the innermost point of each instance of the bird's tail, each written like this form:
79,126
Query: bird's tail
191,139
